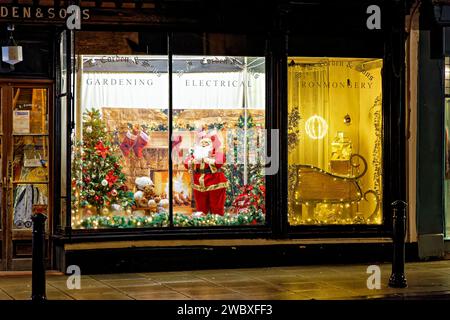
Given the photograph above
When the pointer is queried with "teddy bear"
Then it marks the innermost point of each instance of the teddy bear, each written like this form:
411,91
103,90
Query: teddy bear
163,205
179,197
145,196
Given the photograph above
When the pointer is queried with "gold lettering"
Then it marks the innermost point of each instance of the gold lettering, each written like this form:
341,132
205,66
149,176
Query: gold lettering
86,14
27,12
39,13
4,12
63,13
15,12
51,13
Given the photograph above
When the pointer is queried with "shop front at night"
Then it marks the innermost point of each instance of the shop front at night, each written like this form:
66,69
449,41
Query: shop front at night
173,135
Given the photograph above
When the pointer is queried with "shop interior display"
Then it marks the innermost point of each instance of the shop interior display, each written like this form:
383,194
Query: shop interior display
334,140
120,169
29,168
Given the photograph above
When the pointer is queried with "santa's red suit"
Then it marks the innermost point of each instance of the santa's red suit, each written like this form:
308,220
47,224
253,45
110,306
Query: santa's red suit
208,181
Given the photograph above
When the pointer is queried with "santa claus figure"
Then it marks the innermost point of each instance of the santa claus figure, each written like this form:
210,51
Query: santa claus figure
208,181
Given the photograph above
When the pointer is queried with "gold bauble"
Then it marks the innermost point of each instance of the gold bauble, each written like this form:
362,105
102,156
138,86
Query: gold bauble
316,127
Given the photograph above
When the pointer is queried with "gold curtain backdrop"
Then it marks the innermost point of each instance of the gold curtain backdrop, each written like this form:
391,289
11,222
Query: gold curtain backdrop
335,111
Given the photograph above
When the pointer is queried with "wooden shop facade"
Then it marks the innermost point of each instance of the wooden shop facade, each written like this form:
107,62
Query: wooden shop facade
179,134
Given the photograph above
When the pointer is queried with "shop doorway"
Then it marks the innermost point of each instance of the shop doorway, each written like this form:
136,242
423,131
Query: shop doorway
25,167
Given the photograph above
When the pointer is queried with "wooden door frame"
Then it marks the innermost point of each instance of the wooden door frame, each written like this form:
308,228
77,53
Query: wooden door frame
8,263
3,103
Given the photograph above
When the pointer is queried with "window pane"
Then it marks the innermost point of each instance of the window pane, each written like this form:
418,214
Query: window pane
30,158
120,164
24,197
335,141
218,146
30,111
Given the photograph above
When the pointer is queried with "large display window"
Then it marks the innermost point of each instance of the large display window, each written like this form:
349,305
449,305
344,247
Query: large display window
335,141
218,120
143,129
121,142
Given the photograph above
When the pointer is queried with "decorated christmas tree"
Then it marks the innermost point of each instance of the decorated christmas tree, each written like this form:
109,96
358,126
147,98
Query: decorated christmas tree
244,197
97,177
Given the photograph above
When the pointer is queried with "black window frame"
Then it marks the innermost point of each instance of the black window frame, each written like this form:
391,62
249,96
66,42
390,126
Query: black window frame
152,232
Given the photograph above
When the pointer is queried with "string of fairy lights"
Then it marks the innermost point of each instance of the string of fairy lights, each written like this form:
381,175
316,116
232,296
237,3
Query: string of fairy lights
325,212
161,220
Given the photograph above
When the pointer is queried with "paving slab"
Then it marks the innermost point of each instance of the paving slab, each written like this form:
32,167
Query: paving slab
328,282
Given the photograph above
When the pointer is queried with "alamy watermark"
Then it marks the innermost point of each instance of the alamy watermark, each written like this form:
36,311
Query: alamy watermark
74,17
374,280
248,147
74,280
373,22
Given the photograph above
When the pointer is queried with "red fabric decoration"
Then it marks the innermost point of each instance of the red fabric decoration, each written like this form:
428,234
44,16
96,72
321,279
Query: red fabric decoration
176,143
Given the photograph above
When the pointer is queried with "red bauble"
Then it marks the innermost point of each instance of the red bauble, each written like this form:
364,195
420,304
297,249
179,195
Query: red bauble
96,198
87,179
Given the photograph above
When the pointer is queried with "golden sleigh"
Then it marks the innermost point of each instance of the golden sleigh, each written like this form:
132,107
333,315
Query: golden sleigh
312,188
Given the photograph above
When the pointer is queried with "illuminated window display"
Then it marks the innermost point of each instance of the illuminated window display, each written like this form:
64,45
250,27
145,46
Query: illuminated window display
120,165
219,117
335,141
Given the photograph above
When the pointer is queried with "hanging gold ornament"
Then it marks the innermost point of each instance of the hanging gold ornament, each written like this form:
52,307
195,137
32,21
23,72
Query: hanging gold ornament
316,127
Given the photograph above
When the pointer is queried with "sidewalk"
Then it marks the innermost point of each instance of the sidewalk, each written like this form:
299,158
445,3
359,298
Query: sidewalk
293,283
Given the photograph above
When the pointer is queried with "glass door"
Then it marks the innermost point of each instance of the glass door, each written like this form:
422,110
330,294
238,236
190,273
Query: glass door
25,159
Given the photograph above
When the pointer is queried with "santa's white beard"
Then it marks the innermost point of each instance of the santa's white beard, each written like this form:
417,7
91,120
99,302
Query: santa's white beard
202,152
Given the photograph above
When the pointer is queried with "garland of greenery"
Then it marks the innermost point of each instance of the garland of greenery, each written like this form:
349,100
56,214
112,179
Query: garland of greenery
179,220
187,127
